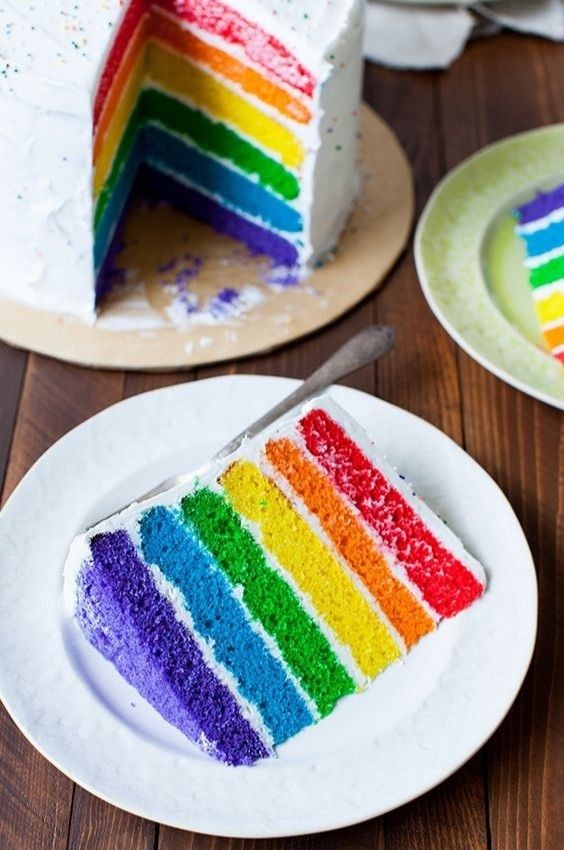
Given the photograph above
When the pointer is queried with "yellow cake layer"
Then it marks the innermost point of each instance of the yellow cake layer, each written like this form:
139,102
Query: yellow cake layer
312,566
551,308
127,67
116,126
178,76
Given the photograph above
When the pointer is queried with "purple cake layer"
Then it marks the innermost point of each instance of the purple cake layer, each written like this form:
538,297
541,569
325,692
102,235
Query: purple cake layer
124,617
259,240
108,275
543,204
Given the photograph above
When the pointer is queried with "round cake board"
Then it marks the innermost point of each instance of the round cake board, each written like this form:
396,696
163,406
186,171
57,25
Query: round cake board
185,296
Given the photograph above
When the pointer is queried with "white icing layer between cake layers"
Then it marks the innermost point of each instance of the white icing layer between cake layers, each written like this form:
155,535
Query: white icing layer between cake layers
50,60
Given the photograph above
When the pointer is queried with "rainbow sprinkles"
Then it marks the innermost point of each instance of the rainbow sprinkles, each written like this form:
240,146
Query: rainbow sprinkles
244,608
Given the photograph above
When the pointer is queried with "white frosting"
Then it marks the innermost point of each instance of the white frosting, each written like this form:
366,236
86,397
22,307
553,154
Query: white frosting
50,60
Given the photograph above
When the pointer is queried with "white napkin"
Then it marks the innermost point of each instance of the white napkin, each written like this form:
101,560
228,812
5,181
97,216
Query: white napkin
539,17
413,36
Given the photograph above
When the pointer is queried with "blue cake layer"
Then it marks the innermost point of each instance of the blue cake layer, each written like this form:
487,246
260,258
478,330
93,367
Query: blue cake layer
170,153
547,239
124,617
259,240
221,619
108,224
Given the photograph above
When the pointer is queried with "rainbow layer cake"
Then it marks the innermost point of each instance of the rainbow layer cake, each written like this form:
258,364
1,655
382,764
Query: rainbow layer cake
242,113
245,607
541,226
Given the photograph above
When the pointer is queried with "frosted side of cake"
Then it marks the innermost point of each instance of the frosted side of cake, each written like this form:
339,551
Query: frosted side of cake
244,114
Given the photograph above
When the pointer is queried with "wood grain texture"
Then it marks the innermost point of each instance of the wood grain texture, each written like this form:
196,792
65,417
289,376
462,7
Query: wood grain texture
55,398
508,796
35,798
12,368
519,441
364,836
144,382
95,825
451,816
421,373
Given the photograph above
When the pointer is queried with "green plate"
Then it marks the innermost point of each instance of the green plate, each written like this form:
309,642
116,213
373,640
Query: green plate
470,262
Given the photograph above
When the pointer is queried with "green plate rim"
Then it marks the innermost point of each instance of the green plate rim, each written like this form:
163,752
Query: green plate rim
535,373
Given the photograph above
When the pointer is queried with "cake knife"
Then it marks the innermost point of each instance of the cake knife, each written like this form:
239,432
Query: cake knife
365,347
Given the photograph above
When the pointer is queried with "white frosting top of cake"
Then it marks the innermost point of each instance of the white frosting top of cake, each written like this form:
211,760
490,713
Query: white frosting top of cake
66,40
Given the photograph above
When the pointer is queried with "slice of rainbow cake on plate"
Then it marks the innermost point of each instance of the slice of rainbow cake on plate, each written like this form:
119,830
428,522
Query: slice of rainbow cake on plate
244,607
541,227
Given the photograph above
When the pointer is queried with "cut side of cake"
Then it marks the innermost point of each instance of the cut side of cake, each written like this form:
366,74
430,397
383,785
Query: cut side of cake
244,607
242,113
541,227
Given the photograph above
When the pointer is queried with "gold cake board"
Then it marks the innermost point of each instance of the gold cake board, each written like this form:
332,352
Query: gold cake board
137,328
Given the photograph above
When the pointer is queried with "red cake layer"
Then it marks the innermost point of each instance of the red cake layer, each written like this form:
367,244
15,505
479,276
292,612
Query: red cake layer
261,47
133,15
214,17
447,585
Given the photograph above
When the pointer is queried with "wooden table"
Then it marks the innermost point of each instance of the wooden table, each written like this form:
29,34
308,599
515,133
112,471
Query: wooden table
508,796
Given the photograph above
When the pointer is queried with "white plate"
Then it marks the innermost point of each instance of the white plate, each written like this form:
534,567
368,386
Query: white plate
418,722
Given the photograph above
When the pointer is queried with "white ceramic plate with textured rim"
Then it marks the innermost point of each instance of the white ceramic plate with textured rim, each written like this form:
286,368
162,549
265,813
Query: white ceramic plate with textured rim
414,726
471,263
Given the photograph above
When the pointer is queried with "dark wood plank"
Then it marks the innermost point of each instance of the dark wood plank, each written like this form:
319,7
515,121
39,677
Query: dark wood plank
444,818
12,369
421,374
365,836
36,798
56,397
144,382
551,62
519,441
96,825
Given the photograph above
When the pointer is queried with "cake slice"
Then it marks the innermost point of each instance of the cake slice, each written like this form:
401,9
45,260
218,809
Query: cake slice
541,227
245,607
